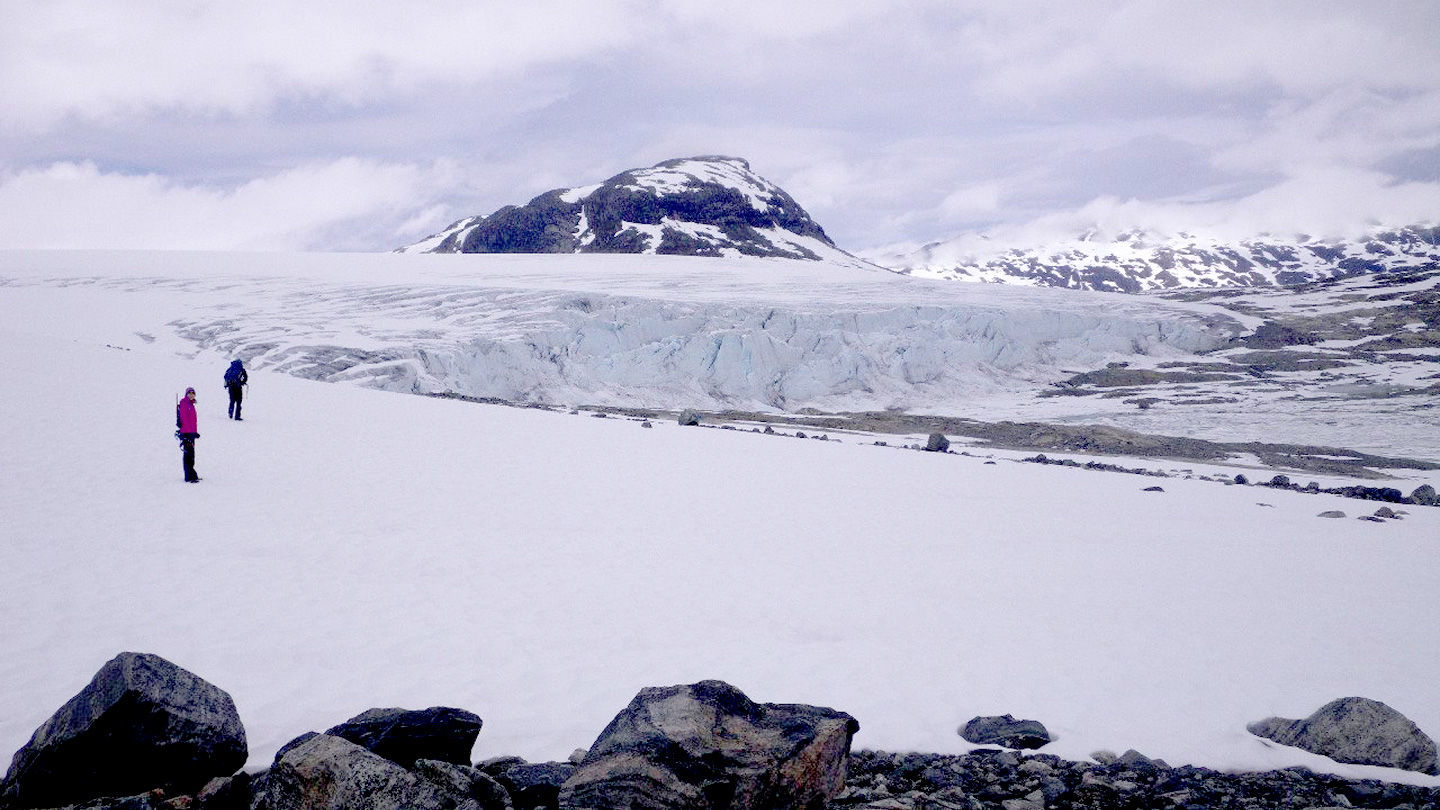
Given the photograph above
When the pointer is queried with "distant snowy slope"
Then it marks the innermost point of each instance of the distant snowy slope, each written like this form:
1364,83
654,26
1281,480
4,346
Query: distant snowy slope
703,206
1137,261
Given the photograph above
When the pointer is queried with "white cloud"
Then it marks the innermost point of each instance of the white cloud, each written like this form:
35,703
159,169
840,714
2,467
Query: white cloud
1323,203
894,120
982,199
94,59
1036,51
76,205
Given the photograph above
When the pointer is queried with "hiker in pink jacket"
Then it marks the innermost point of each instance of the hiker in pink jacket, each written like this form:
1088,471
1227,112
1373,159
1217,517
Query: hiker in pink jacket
187,425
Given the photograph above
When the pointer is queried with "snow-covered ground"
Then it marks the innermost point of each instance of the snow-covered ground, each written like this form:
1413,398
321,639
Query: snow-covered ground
351,548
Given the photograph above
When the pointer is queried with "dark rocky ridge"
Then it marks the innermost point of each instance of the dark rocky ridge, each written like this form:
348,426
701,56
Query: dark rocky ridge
703,206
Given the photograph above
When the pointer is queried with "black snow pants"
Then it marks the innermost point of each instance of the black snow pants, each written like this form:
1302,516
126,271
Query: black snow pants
187,457
237,393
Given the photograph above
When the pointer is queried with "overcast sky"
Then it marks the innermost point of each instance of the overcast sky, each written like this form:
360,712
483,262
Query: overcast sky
367,124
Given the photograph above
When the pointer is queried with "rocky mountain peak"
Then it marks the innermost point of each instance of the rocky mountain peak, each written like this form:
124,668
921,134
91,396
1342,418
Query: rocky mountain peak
711,205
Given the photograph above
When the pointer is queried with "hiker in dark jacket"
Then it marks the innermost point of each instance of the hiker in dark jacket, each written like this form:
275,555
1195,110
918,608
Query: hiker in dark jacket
235,378
187,428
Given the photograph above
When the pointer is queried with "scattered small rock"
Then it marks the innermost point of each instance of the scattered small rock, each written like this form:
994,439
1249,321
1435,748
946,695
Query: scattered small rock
1153,489
1332,513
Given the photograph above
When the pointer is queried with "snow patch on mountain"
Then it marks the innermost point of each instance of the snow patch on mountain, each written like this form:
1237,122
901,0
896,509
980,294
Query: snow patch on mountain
680,176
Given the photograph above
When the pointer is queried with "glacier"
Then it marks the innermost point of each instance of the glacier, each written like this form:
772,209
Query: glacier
634,331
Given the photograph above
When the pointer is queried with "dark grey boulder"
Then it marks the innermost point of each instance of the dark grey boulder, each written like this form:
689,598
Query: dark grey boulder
688,418
1356,730
150,800
225,793
465,781
1424,495
403,736
537,784
1005,730
284,749
498,765
937,443
330,773
707,745
141,723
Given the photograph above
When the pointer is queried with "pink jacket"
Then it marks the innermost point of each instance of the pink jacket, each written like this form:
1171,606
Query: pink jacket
185,417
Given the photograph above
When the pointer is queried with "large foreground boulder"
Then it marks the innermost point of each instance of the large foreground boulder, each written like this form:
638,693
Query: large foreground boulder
466,782
707,745
404,736
1356,730
323,772
141,723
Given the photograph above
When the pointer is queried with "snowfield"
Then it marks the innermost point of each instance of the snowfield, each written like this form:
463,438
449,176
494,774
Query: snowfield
352,548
